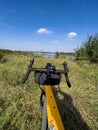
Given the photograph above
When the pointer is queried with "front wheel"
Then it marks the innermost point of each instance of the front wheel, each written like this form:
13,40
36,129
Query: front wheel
44,115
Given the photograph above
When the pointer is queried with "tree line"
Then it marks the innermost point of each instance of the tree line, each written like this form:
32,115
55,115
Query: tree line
88,50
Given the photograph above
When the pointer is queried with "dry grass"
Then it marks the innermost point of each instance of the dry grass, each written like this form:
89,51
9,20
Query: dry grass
19,103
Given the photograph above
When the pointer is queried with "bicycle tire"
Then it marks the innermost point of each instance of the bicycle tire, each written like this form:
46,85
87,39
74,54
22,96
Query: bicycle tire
44,116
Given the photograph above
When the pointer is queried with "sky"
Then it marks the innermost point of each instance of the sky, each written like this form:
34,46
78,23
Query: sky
47,25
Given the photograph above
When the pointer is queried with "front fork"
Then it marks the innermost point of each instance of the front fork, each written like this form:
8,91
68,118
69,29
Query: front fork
41,98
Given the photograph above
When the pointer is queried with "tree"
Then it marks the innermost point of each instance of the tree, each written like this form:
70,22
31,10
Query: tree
57,55
88,50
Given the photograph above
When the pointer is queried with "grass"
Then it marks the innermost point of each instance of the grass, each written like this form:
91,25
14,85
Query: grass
19,103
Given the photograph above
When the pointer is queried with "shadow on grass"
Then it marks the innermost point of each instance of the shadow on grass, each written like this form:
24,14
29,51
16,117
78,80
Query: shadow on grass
71,117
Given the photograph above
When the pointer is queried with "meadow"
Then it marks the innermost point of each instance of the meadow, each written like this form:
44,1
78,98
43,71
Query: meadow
19,103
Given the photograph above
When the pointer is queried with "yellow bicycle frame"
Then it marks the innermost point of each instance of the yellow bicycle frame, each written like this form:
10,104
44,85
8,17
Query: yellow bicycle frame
54,119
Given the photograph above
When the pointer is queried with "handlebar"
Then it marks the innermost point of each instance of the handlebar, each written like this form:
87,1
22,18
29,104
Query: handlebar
29,71
53,69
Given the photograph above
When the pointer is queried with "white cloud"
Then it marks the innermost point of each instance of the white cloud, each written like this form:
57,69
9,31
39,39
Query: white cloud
43,30
55,41
71,35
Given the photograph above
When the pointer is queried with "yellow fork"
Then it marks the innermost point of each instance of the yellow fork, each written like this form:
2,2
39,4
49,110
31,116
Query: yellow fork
54,118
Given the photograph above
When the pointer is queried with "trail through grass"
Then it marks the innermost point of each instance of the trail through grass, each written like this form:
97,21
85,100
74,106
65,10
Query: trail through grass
19,103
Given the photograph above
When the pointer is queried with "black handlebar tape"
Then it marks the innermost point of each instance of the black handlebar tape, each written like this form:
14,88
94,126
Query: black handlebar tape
31,63
67,80
66,74
28,72
65,67
69,84
26,76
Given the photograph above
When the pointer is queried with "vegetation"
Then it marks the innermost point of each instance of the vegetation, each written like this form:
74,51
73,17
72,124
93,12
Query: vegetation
88,50
60,55
19,103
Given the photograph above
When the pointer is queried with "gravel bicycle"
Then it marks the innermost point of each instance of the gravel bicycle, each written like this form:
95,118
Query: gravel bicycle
46,78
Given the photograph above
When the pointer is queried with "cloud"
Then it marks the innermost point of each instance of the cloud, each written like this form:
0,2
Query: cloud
43,30
56,41
71,35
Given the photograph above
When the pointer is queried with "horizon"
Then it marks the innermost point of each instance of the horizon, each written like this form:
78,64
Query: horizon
48,26
34,51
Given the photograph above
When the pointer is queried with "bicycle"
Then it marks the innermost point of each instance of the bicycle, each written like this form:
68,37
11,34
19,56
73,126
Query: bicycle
46,78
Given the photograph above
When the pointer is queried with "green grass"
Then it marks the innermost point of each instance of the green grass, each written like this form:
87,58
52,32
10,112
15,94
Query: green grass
19,103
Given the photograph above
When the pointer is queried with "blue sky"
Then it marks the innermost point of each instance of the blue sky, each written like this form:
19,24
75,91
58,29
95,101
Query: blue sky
47,25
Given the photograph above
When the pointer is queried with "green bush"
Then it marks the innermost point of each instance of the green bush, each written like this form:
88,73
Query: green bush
88,50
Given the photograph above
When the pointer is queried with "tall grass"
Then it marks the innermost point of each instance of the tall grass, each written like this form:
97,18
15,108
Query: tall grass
19,103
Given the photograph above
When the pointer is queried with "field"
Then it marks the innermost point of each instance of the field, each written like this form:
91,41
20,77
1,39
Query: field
19,103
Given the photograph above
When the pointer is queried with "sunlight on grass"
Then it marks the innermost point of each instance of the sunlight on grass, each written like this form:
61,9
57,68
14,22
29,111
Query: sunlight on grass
19,103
